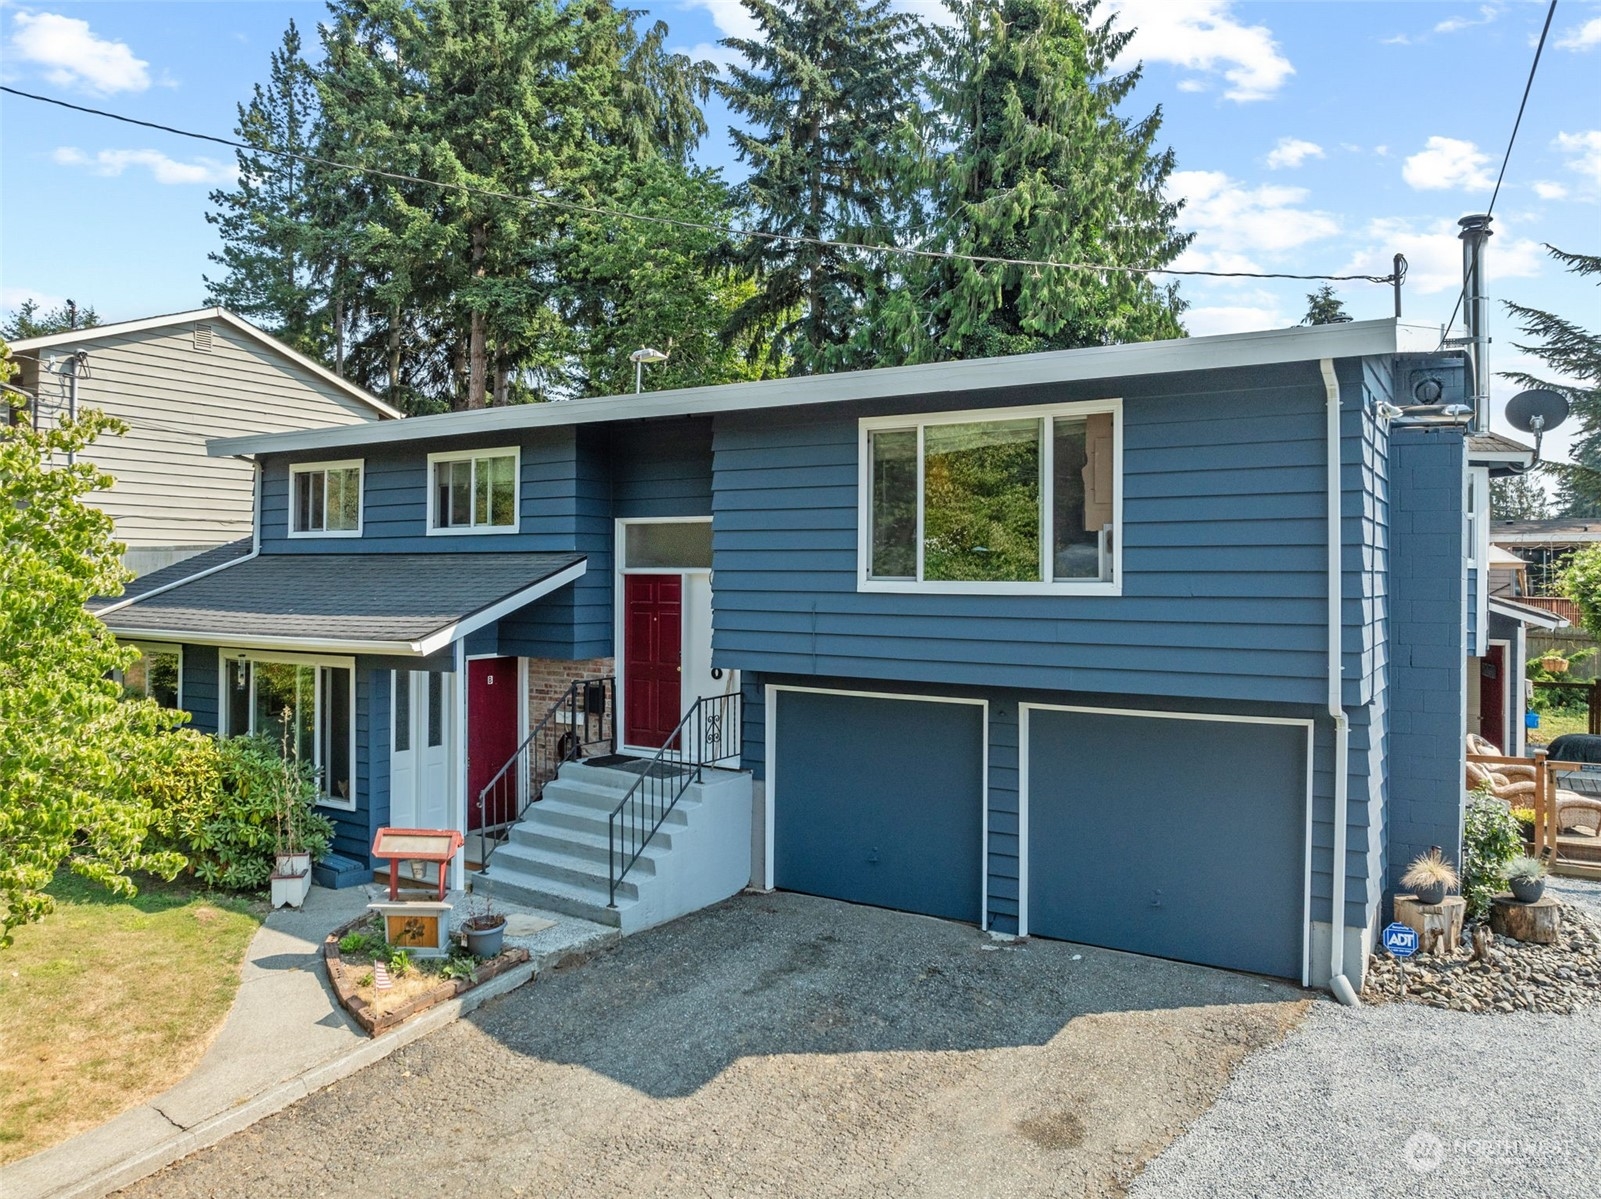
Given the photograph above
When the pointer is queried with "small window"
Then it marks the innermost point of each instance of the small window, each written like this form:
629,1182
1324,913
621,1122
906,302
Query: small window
473,492
1012,500
325,499
667,545
156,675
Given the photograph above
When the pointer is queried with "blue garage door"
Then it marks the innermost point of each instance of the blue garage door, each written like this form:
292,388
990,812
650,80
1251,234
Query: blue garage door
880,801
1179,838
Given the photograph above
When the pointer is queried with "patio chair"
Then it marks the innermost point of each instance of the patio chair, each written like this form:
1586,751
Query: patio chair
1579,813
1478,745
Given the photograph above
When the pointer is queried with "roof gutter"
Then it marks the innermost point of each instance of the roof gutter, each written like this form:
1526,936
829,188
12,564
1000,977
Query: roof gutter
1338,982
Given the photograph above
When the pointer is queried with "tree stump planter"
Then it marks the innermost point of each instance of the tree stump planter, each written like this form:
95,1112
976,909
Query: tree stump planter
1438,925
1539,922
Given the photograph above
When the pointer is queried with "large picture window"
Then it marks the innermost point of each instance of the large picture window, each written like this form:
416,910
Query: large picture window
325,499
473,492
1012,500
306,705
156,675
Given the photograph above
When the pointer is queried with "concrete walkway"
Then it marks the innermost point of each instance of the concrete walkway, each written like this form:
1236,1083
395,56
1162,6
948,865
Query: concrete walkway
285,1037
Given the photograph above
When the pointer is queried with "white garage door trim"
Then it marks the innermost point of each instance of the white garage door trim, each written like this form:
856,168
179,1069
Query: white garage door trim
1023,710
770,704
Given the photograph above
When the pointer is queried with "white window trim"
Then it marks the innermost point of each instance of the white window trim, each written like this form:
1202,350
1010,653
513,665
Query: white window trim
227,657
516,453
620,537
300,468
146,648
919,421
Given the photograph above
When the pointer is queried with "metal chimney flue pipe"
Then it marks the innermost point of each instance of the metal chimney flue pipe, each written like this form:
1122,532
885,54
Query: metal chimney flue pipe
1475,309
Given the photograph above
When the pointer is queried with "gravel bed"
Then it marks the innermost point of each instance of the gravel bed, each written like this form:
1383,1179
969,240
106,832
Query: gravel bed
1405,1099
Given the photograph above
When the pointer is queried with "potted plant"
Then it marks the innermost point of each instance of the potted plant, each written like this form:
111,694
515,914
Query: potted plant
484,930
1430,876
1554,663
1526,877
291,875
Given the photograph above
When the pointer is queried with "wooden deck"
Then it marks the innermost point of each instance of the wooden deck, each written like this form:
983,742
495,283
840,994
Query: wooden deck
1574,855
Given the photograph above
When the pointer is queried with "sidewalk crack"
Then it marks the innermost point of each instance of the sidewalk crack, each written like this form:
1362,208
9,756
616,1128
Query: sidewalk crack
167,1118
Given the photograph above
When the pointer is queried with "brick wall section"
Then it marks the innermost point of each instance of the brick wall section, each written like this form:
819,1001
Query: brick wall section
1428,643
549,678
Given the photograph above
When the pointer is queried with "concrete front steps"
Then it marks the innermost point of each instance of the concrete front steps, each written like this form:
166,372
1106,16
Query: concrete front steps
556,858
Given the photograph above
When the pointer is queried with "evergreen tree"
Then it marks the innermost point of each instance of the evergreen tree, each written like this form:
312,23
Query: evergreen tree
826,94
1520,497
1323,307
1573,354
269,244
28,320
1030,157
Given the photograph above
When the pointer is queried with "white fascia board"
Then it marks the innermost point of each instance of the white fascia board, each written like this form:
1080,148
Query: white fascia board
1527,614
469,624
81,337
1356,339
323,645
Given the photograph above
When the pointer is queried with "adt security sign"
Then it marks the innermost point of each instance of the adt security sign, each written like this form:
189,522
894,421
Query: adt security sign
1401,941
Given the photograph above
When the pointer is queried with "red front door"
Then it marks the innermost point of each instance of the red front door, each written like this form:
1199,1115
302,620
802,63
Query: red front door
1492,697
491,739
652,658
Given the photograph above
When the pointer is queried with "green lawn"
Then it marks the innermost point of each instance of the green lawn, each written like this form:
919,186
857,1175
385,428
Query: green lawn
109,1001
1554,724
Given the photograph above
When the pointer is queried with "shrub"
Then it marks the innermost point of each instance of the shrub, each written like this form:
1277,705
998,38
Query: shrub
1491,838
1430,868
218,802
1526,868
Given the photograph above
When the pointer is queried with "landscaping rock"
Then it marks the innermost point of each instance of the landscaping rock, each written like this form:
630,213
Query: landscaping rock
1511,976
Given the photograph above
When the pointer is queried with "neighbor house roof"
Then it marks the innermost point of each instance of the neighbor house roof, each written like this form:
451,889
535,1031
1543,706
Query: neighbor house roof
1562,532
81,337
410,604
1355,339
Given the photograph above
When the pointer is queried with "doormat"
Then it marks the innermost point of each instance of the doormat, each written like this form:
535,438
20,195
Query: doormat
610,760
527,926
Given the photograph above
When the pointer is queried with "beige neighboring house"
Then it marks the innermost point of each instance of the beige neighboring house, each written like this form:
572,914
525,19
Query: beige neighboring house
177,381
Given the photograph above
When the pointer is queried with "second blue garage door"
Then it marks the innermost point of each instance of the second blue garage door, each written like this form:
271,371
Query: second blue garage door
879,801
1182,838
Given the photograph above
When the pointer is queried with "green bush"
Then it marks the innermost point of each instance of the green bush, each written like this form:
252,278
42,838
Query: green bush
1491,838
217,802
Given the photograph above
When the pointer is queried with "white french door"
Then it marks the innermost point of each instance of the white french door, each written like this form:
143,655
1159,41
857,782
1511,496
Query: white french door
419,757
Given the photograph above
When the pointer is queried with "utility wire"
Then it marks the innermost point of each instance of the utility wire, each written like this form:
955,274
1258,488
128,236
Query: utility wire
1507,157
679,223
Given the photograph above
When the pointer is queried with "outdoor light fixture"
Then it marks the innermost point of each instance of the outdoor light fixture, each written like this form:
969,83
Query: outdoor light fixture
643,355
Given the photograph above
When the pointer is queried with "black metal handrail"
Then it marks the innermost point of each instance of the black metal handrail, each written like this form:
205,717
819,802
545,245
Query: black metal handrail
579,722
708,736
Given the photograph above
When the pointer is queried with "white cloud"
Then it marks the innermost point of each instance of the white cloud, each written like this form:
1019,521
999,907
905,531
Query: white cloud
1434,256
1224,318
1233,222
1291,152
1585,152
73,56
1582,37
162,168
731,17
1205,36
1448,162
1487,13
1547,190
11,298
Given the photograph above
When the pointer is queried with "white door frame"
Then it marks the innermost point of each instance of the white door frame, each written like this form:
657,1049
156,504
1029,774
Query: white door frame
1024,710
619,617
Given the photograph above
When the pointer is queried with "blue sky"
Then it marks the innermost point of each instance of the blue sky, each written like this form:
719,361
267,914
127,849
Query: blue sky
1311,137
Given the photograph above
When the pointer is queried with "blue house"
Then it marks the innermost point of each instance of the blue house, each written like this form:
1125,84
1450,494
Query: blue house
1160,647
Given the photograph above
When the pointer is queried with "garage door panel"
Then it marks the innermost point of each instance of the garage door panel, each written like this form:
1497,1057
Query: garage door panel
1179,838
880,801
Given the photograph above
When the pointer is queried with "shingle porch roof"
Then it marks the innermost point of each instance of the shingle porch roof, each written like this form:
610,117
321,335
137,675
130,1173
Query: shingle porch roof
413,604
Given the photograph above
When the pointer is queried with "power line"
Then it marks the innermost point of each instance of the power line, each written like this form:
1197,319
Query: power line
1507,157
701,226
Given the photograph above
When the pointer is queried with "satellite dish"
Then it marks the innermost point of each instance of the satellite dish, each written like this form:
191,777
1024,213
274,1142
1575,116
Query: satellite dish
1538,411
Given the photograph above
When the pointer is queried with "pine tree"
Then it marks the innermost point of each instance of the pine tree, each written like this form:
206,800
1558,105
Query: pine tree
1520,497
1031,158
31,319
826,95
1573,354
1323,307
269,249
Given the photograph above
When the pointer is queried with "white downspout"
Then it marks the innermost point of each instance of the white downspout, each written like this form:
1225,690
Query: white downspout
1338,983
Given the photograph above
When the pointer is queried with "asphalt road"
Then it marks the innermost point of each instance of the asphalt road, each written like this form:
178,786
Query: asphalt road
780,1045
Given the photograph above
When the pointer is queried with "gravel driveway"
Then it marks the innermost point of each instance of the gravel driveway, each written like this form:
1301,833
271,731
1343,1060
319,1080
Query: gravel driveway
1404,1099
780,1045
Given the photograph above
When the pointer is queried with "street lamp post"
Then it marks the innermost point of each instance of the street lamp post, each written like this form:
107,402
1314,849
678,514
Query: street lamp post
641,356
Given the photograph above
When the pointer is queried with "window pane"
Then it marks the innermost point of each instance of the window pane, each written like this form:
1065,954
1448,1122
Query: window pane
344,499
135,680
685,545
461,482
335,728
503,486
237,681
436,708
442,495
276,700
1076,549
894,504
481,476
308,501
981,501
402,710
161,676
317,482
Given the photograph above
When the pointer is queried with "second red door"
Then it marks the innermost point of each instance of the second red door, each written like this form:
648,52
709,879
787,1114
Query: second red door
652,658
